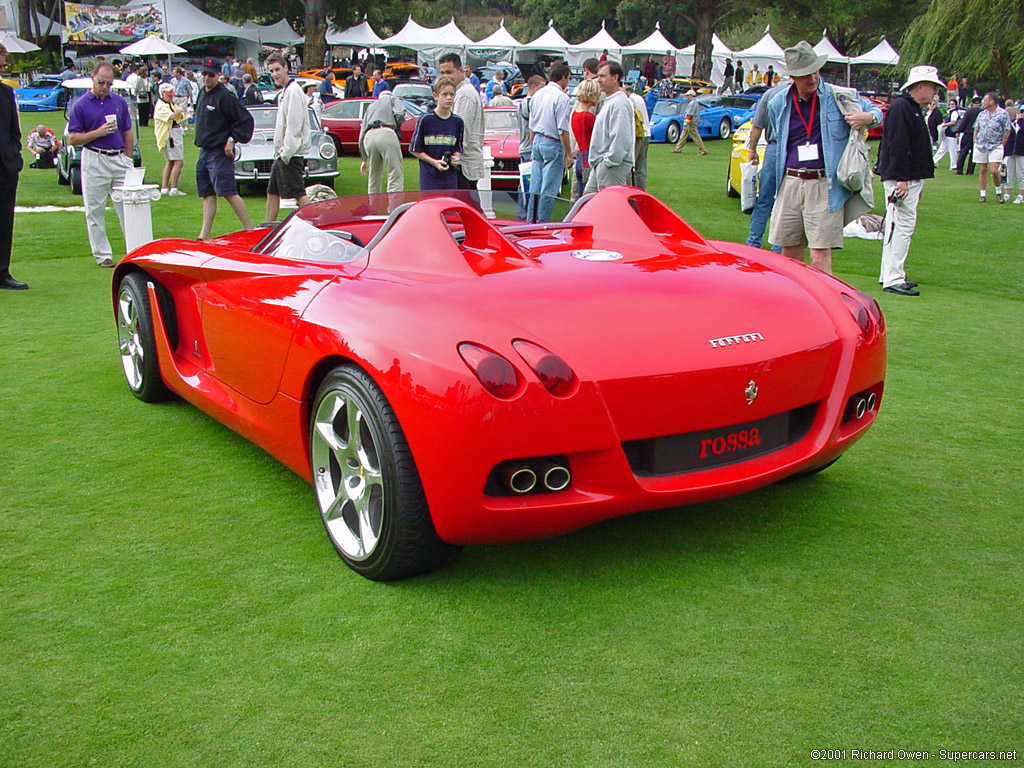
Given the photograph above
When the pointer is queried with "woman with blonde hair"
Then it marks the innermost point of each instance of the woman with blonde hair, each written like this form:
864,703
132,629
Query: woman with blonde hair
583,118
170,139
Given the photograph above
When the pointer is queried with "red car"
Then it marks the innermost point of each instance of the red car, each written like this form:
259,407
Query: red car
343,119
443,378
876,132
501,134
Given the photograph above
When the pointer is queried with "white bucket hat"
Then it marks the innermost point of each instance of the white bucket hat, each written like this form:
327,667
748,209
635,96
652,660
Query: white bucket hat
923,74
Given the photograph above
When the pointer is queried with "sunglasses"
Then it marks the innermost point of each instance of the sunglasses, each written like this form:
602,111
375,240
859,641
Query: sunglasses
104,82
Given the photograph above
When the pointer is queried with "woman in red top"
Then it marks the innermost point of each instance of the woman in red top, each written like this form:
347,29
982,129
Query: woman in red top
583,128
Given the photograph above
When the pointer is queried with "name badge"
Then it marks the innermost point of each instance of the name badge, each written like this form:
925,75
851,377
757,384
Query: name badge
807,152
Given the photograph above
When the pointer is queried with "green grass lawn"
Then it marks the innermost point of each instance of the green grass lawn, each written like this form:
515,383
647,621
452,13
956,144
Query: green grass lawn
170,598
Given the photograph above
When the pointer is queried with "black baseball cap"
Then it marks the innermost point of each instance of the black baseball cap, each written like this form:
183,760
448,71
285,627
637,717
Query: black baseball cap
210,65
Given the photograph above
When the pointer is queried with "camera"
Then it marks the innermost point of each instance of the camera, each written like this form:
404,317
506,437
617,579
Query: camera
895,200
446,158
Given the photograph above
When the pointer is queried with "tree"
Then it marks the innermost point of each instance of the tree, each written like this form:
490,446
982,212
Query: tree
704,15
983,38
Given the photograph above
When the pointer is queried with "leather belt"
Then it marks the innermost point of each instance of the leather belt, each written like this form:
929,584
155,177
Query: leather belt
806,173
110,152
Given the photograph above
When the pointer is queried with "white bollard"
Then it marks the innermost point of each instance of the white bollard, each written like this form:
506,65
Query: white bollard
137,217
484,186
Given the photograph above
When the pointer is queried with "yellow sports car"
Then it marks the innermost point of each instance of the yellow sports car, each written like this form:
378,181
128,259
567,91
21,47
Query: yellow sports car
681,84
739,155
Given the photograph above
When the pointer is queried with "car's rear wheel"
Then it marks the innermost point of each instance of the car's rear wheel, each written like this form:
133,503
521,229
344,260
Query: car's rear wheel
136,340
672,133
61,178
725,128
366,485
75,179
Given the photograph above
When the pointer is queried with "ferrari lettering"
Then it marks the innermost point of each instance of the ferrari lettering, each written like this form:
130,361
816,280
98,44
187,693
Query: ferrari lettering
734,441
743,338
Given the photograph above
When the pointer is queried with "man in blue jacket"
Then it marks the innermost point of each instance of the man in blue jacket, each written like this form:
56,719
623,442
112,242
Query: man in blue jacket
812,131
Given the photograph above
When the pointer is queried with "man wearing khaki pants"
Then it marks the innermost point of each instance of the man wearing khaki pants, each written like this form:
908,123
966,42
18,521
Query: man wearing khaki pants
690,125
379,145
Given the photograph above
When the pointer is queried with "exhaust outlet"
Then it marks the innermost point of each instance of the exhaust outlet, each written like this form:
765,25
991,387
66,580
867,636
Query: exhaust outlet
872,401
861,407
520,479
555,477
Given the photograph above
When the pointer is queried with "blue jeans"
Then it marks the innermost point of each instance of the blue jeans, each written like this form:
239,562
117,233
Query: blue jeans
521,197
765,198
546,177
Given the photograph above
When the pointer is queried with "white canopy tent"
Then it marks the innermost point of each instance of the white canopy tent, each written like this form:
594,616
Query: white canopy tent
655,42
765,52
825,48
500,44
602,41
549,42
359,36
883,55
280,33
430,43
719,53
183,22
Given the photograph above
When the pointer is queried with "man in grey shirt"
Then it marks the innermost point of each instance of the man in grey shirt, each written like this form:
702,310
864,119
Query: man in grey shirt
471,110
612,144
768,183
379,145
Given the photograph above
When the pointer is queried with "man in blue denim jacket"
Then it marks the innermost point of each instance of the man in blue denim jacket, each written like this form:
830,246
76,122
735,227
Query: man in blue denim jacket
812,132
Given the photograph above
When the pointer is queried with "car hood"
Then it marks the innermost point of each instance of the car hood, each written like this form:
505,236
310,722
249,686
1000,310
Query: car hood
502,144
33,93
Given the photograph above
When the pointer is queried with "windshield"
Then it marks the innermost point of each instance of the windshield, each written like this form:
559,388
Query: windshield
666,108
407,90
44,83
500,121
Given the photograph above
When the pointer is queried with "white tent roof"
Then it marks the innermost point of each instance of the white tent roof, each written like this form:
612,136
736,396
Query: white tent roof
184,22
883,54
599,42
765,48
280,33
449,35
418,37
825,48
500,38
549,41
360,35
412,35
718,48
653,43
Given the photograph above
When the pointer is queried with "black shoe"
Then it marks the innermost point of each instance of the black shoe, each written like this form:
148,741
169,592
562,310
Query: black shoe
911,284
903,289
10,284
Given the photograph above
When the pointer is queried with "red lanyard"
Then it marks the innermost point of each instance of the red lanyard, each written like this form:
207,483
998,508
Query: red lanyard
807,123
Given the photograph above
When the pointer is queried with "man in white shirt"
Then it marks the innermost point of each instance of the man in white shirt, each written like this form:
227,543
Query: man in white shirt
291,139
471,110
613,144
642,142
550,125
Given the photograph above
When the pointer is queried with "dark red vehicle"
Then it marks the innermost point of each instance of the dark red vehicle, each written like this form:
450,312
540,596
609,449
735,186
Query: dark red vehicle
343,120
444,378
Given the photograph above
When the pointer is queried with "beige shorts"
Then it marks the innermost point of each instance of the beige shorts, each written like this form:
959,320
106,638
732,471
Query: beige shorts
987,155
801,215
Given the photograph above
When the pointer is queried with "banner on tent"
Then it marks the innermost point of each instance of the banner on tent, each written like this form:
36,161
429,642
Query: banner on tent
110,25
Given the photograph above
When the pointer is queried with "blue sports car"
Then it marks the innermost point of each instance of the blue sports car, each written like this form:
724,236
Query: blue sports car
44,94
719,116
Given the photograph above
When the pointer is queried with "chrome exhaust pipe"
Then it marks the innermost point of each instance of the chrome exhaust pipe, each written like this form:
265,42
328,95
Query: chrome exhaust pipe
555,476
520,480
861,407
872,401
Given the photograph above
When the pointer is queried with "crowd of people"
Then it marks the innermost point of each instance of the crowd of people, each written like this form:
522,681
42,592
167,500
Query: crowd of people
601,140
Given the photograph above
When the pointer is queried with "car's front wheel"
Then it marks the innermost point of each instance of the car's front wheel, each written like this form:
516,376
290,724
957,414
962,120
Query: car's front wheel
136,340
367,488
75,179
672,133
725,128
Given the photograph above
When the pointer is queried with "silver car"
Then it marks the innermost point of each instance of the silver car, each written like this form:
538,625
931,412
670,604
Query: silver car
253,160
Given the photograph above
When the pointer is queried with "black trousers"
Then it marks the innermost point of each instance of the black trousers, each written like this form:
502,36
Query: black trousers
8,193
145,110
465,183
966,156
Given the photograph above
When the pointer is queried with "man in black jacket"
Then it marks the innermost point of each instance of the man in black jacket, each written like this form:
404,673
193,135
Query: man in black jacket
356,86
221,122
904,162
966,130
11,163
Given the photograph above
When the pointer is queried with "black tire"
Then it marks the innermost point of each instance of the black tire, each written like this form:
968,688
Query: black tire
381,526
75,179
672,133
61,178
136,340
810,472
725,128
729,191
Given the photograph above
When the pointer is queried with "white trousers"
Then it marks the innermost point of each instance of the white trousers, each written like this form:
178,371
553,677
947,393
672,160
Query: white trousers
900,221
100,174
1014,173
947,145
383,153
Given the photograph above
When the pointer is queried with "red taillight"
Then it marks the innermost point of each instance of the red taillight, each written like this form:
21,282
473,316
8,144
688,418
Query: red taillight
497,375
876,314
858,306
554,373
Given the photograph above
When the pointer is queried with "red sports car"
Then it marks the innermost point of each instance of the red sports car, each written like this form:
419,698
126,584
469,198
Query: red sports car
501,134
443,378
344,119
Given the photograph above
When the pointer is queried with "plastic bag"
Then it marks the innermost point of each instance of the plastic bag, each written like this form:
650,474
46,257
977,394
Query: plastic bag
749,175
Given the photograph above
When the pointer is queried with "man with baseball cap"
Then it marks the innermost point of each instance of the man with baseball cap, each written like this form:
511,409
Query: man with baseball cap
904,162
812,131
690,120
221,122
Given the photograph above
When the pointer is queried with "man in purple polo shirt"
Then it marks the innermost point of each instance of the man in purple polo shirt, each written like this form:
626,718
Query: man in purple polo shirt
99,122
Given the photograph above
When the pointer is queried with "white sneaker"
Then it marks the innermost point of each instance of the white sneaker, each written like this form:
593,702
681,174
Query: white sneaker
177,192
165,191
1019,199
